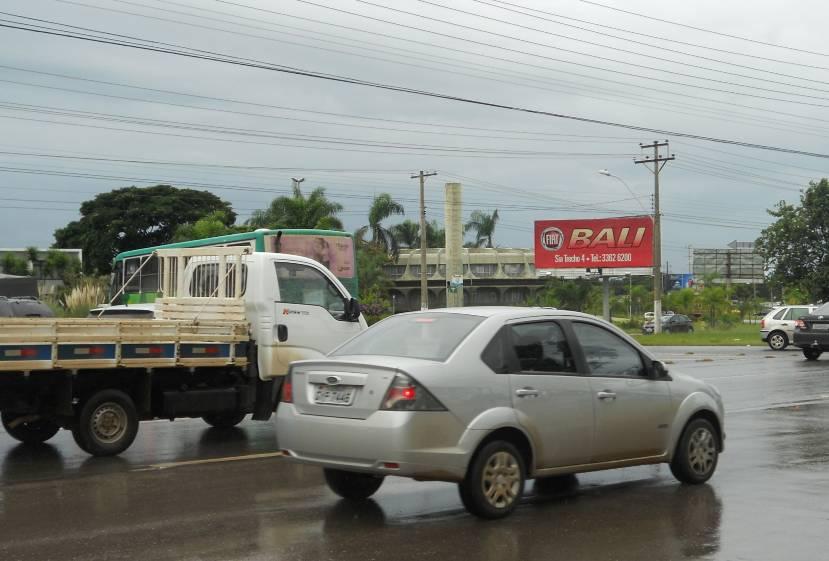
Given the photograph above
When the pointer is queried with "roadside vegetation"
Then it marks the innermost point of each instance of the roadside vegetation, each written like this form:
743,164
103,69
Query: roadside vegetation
794,247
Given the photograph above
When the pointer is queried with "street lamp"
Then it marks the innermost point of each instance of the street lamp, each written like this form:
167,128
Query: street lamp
297,181
635,196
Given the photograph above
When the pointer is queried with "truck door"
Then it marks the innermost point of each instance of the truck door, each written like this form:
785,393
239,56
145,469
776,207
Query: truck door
310,318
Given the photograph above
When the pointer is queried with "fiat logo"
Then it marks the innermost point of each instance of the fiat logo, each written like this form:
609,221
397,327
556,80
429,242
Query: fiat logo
552,238
333,380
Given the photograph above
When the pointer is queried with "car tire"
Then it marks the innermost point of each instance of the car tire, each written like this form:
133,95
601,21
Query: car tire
33,432
494,482
812,354
351,485
107,424
777,340
696,455
224,420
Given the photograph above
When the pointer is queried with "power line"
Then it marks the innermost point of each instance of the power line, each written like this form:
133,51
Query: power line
731,116
389,87
650,36
637,53
703,29
579,64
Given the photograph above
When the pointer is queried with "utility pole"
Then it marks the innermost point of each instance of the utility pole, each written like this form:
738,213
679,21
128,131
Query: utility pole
424,294
658,162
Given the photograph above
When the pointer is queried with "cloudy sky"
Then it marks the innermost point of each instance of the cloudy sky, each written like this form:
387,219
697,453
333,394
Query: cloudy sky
80,117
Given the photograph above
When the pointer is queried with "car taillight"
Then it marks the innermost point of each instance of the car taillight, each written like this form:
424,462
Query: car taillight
404,394
288,390
799,324
762,324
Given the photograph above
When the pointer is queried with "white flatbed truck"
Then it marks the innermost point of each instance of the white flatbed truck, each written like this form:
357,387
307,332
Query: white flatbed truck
226,327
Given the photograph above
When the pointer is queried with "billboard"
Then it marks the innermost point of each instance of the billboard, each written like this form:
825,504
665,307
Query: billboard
595,243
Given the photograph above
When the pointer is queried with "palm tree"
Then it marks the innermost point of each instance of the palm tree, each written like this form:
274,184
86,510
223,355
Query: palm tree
483,225
299,211
382,207
407,234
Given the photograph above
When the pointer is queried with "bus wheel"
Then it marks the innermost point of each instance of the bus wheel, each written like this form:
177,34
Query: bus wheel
107,424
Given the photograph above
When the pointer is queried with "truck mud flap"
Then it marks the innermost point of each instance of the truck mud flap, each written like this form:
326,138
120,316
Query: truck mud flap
267,396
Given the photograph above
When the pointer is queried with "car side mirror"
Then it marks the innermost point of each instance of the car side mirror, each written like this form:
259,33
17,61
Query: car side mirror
658,369
352,309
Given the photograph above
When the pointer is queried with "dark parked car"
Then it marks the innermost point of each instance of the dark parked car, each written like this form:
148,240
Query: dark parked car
24,307
676,323
811,333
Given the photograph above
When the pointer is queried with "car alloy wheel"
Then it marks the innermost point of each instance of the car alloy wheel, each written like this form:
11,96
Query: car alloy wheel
702,451
697,452
501,482
495,481
778,341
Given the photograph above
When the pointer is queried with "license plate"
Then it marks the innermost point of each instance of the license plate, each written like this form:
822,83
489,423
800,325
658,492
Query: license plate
338,395
820,326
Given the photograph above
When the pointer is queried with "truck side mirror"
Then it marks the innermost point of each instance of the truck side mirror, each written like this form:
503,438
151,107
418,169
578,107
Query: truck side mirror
352,309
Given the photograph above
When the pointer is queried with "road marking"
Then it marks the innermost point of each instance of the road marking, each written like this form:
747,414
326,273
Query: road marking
168,465
824,398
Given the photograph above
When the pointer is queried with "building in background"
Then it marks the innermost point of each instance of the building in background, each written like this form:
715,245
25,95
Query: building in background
491,276
738,263
46,266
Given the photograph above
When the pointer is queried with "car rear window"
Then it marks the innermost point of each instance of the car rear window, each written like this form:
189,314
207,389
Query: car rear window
822,311
430,336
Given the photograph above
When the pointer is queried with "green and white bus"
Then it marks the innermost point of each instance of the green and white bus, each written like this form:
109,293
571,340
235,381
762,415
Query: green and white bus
332,248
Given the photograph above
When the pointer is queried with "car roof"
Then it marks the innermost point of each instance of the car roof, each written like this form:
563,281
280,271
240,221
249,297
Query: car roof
506,312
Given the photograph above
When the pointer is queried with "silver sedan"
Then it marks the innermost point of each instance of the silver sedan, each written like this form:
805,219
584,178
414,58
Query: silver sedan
490,397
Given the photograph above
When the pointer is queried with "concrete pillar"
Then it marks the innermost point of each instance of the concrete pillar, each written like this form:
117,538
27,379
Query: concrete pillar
454,245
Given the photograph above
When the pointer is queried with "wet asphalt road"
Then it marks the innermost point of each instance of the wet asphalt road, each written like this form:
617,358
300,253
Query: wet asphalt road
188,492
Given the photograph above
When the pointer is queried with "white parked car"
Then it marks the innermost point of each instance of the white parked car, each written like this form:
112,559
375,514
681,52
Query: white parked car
777,328
490,397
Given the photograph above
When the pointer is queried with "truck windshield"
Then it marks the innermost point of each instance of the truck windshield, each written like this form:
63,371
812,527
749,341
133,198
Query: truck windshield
430,336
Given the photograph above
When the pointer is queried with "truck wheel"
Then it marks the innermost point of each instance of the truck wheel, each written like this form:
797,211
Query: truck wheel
224,420
31,432
351,485
778,340
107,424
495,481
812,354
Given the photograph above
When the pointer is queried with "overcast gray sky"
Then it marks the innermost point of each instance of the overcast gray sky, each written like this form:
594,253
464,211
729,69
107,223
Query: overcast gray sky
569,57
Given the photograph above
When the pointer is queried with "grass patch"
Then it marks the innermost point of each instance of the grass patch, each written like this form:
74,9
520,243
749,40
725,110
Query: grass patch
736,336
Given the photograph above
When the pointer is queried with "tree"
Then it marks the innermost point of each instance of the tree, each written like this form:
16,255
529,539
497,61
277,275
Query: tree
796,246
407,234
435,235
132,218
382,207
209,226
483,225
13,265
299,211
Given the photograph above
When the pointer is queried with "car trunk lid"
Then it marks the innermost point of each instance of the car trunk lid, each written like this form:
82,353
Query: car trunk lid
346,389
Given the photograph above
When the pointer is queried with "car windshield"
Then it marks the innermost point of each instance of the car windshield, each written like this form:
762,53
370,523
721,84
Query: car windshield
430,336
822,311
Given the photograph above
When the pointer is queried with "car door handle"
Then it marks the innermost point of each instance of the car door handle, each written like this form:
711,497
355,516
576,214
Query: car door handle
606,395
526,392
